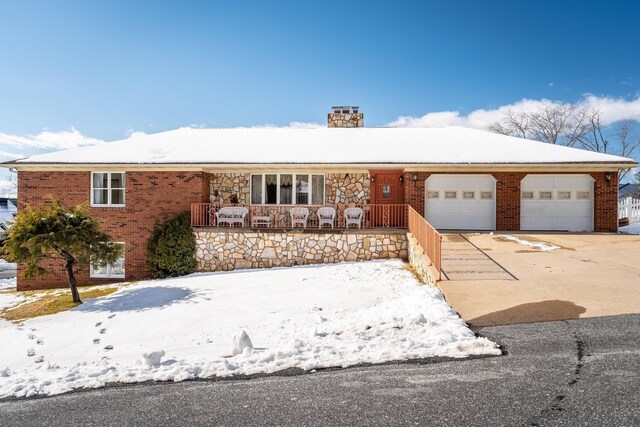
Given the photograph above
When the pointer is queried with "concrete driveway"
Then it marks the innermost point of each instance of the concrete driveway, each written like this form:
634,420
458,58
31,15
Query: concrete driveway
495,281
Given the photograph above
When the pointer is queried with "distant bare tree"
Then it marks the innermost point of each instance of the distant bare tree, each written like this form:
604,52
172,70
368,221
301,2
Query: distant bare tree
11,189
623,140
554,123
568,125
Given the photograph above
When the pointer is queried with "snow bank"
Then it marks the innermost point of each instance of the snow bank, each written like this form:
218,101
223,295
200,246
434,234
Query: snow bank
4,265
9,283
303,317
539,246
630,229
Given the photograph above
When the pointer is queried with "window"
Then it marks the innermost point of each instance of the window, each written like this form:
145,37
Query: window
450,194
546,195
486,195
468,194
115,270
107,189
386,191
583,195
287,189
527,195
564,195
433,194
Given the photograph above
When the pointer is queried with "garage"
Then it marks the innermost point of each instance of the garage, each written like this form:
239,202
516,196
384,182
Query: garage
557,202
461,202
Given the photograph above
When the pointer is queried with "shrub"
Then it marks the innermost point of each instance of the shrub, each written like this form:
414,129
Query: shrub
171,248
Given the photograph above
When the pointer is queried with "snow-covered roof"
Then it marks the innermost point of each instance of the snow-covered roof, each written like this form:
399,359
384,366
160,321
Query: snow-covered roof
438,145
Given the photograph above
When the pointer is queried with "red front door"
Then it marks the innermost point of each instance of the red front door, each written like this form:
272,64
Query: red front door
387,198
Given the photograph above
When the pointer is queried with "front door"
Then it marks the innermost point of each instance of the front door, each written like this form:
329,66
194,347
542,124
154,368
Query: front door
387,198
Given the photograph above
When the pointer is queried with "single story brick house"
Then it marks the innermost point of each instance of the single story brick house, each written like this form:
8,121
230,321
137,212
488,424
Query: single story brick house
456,178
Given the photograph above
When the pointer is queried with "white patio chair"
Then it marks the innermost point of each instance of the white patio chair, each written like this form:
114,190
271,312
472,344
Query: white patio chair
299,216
353,216
231,215
326,216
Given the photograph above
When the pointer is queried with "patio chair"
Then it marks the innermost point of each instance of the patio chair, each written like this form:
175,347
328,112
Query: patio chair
231,215
353,216
299,216
326,216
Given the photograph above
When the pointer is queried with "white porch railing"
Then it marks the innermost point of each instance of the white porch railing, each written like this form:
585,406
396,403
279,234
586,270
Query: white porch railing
629,208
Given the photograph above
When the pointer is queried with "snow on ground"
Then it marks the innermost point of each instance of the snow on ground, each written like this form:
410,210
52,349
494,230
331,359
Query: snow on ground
630,229
540,246
9,283
191,327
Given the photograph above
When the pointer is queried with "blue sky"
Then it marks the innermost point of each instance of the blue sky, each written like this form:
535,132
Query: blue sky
103,69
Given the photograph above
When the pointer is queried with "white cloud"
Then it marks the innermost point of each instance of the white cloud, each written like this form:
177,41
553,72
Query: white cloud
48,140
613,110
7,188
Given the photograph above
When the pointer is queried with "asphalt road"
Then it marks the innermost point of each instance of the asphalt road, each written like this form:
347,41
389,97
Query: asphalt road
571,373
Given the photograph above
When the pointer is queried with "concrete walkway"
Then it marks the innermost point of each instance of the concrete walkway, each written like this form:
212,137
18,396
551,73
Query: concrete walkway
590,275
461,260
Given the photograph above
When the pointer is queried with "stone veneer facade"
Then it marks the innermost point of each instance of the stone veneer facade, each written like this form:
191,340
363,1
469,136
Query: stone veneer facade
224,186
231,250
340,188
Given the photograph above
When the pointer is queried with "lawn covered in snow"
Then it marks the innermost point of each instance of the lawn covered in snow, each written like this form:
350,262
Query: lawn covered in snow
302,317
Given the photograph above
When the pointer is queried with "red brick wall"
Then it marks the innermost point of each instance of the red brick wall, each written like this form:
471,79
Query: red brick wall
150,197
508,198
605,202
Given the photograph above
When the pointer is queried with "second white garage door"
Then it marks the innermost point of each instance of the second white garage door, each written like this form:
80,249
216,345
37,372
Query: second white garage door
557,202
461,202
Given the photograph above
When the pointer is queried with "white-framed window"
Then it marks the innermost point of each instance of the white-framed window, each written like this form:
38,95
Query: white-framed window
450,194
468,195
545,195
486,195
287,189
583,195
527,195
433,194
563,195
108,189
115,270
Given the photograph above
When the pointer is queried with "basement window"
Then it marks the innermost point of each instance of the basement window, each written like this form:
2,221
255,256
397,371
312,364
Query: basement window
107,189
115,270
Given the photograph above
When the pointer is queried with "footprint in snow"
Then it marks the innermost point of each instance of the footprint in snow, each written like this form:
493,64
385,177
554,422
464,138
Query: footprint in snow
39,359
98,324
31,352
96,340
108,347
40,341
31,336
111,317
103,330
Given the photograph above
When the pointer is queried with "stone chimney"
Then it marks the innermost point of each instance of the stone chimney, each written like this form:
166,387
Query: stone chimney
345,117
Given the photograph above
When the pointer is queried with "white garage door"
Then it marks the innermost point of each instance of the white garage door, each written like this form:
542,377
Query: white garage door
461,202
556,202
